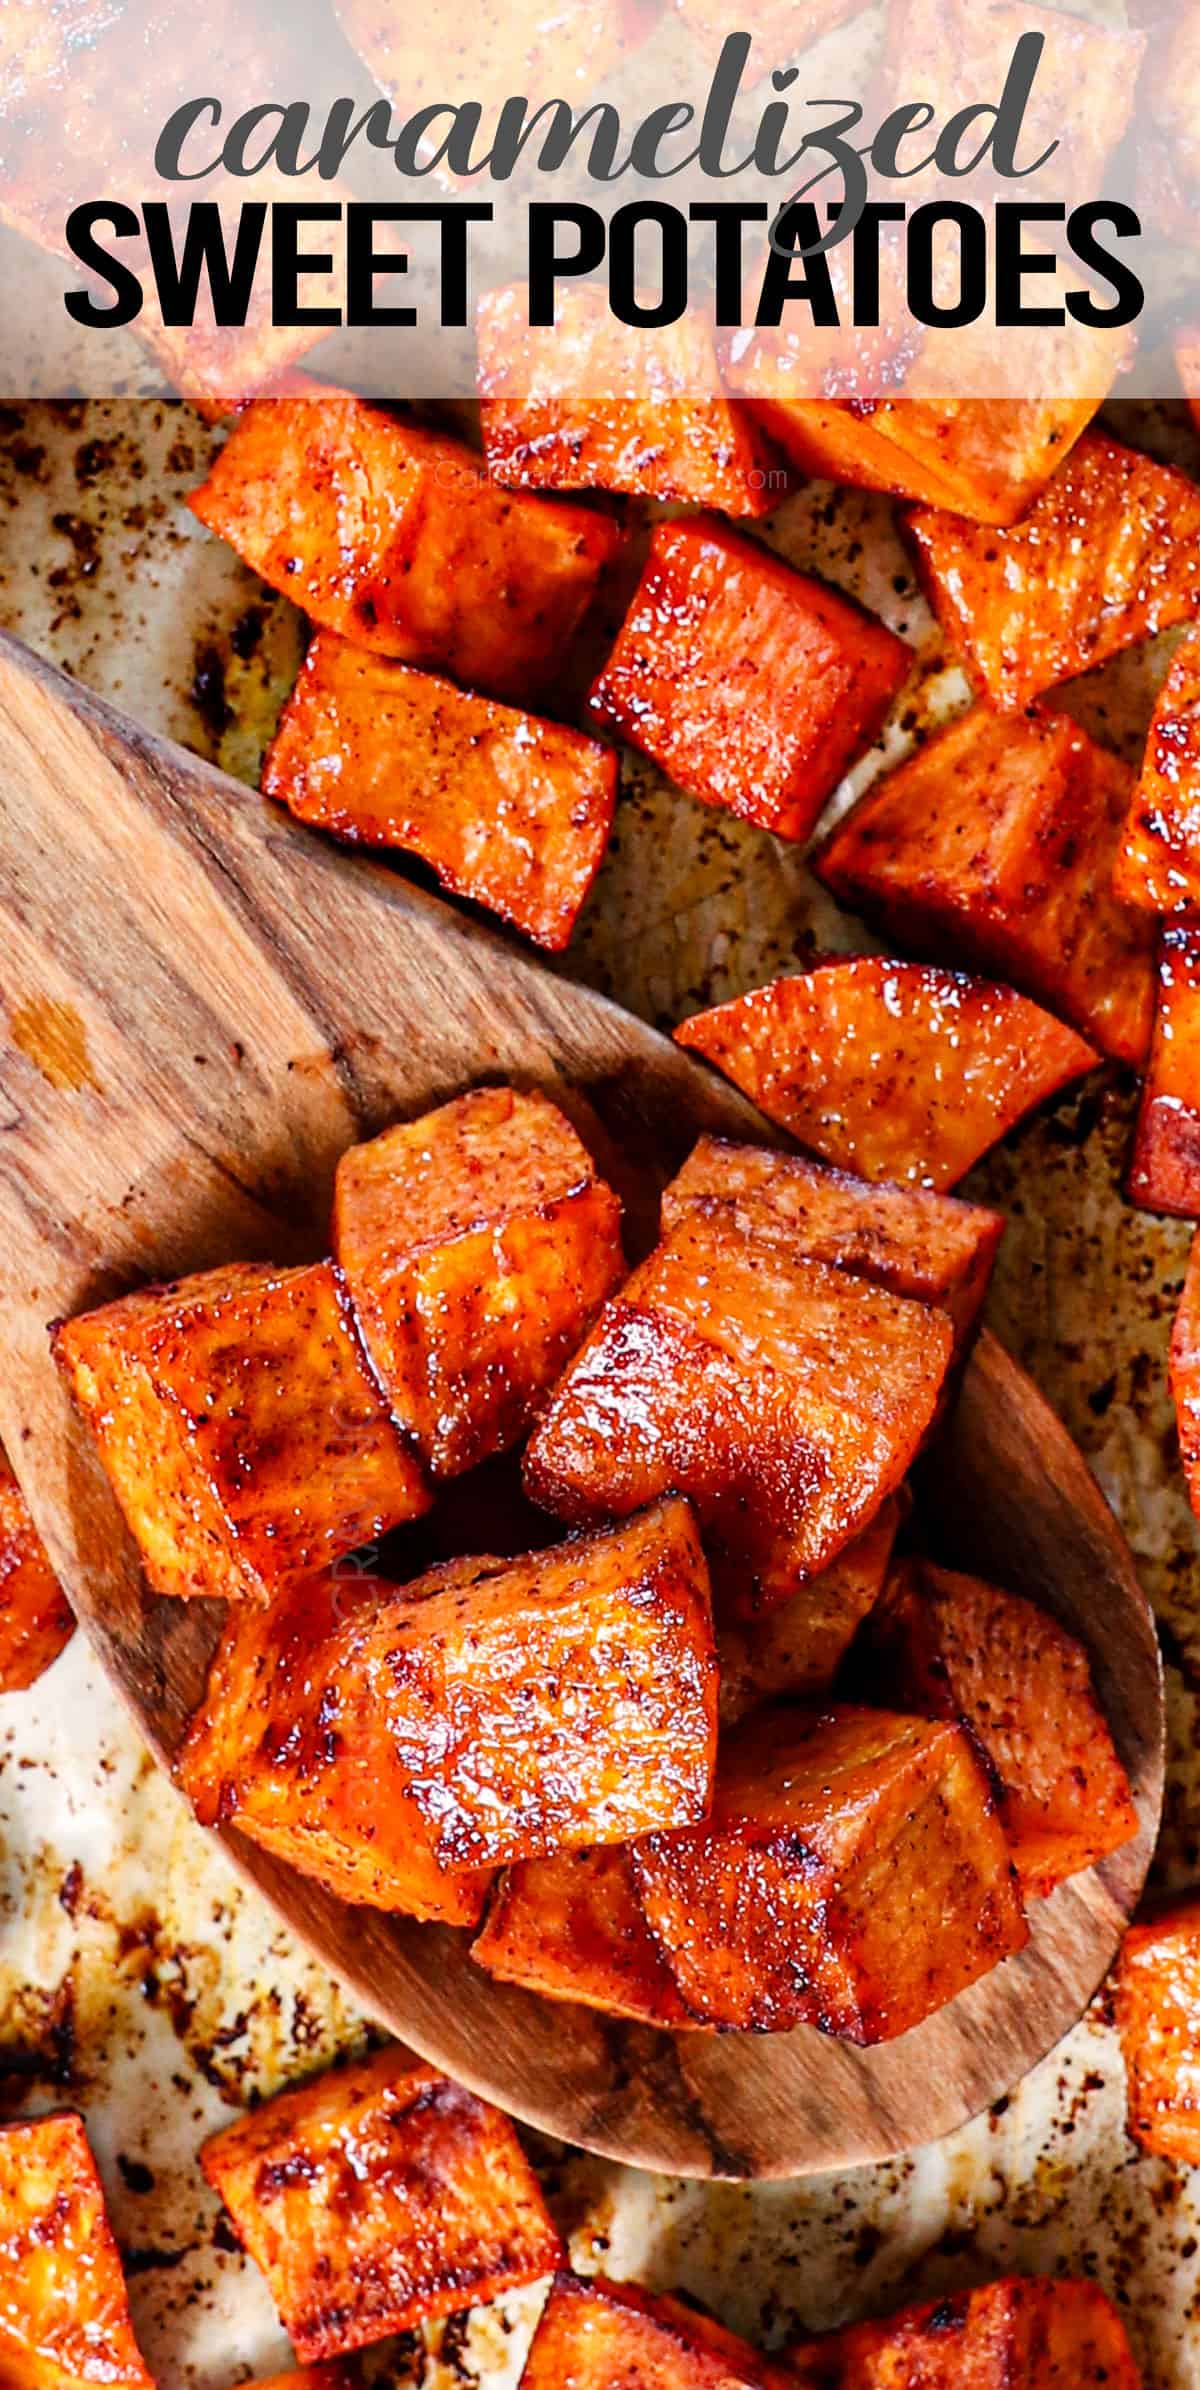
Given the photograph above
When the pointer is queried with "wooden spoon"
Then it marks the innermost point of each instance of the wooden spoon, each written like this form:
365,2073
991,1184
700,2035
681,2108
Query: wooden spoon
204,1005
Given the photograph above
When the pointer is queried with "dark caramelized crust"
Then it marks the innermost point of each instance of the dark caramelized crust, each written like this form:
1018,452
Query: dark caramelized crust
36,1619
64,2314
793,1651
1159,861
572,1928
599,2335
1010,2335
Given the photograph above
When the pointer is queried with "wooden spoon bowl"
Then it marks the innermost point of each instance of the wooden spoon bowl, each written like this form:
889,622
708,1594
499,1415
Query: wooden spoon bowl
205,1004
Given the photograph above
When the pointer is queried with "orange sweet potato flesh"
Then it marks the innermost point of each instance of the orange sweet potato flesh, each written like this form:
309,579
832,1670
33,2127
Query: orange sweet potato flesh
852,1875
996,841
753,686
506,808
588,405
1108,554
333,2376
794,1650
1159,860
600,2335
393,535
64,2315
949,1646
376,2196
986,458
1157,2003
36,1619
478,1244
294,1744
892,1070
785,1398
572,1928
1164,1170
244,1436
1017,2334
1185,1375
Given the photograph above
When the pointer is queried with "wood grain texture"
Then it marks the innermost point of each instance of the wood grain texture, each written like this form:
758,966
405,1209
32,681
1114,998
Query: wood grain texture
203,1006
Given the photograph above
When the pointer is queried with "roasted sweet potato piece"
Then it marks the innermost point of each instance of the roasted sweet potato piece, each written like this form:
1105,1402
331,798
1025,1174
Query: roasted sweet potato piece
997,840
985,458
378,2195
785,1398
588,405
1109,553
600,2335
1185,1375
64,2315
36,1619
794,1651
294,1743
1158,1997
506,808
751,685
932,1248
1164,1170
949,1646
569,47
572,1928
893,1070
1015,2334
333,2376
393,534
478,1245
852,1875
243,1433
1158,864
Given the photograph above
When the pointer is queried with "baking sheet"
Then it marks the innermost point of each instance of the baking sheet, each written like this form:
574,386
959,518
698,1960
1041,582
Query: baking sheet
138,1979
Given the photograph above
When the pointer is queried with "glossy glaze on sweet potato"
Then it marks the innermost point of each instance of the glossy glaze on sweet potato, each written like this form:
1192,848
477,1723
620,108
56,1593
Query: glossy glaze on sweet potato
793,1651
36,1619
852,1875
64,2314
478,1244
600,2335
1108,554
949,1646
1158,864
293,1742
1164,1168
751,685
994,845
393,535
1015,2334
985,458
1157,2007
893,1070
1185,1374
508,809
378,2195
786,1399
572,1928
245,1438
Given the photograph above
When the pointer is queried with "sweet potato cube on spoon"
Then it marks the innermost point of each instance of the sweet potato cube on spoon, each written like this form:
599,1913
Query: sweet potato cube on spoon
1185,1374
1108,554
950,1646
1158,1997
36,1619
600,2335
793,1651
478,1244
393,534
506,808
377,2195
751,685
64,2312
1016,2334
1159,860
893,1070
244,1435
852,1875
1164,1172
571,1927
994,844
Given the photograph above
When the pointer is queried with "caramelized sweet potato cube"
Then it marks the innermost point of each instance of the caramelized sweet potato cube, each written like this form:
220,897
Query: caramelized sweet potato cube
949,1646
294,1743
893,1070
36,1619
751,685
587,405
1187,358
392,534
378,2195
1164,1172
478,1245
600,2335
572,1928
64,2315
852,1875
1015,2334
794,1651
1109,553
507,809
1185,1375
1159,860
1158,1998
334,2376
786,1399
243,1433
985,458
489,53
997,840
